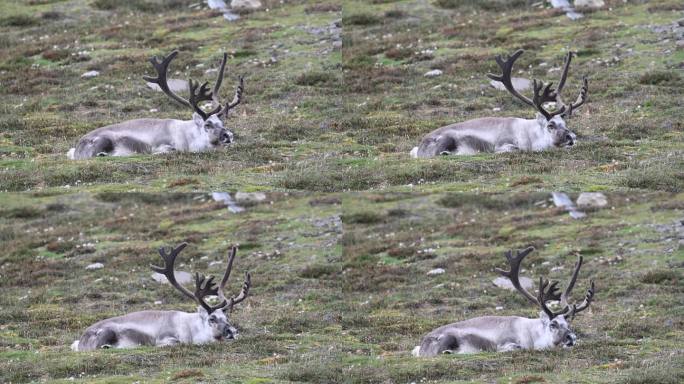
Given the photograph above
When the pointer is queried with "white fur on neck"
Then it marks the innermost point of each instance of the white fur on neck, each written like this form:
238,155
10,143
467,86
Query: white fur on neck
543,339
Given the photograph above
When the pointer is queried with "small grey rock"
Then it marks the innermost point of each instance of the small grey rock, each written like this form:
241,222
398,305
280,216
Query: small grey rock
562,200
505,283
230,16
436,271
590,3
573,15
519,83
560,3
217,4
249,197
433,73
95,266
90,74
182,277
592,199
245,4
175,85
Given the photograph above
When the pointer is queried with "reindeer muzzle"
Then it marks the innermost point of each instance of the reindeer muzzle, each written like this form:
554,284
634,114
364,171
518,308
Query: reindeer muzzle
569,141
230,333
226,138
570,340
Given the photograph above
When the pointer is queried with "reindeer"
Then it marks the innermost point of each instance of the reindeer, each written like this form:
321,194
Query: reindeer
506,134
161,328
205,131
508,333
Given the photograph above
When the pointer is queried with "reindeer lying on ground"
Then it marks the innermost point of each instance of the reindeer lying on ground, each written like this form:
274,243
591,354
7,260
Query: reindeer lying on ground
508,333
161,328
205,131
506,134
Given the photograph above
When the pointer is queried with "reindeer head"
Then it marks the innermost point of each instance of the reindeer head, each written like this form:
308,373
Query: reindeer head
556,324
559,330
211,122
214,317
553,121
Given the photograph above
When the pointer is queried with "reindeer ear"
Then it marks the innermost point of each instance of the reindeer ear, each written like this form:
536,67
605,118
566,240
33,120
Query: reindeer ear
197,119
202,312
544,318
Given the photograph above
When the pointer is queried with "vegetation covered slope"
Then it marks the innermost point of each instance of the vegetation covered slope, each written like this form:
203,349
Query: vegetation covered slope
633,332
341,292
287,55
289,244
320,117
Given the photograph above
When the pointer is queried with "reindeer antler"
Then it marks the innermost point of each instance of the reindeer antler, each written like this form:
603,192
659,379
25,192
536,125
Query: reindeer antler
543,92
204,286
167,269
513,274
581,98
547,290
196,95
226,276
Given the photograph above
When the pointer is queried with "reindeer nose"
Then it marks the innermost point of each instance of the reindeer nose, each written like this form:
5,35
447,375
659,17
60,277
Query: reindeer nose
570,339
229,333
225,138
569,139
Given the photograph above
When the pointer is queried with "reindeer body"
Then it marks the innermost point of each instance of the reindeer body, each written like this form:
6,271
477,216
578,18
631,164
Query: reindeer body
509,333
156,328
203,132
495,134
152,136
495,334
506,134
162,328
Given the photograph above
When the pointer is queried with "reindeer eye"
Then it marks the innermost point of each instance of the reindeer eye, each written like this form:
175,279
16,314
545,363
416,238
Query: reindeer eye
554,326
212,320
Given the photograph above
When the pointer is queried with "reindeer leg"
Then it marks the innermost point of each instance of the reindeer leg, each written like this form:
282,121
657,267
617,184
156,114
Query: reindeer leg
127,145
508,347
164,148
167,341
506,148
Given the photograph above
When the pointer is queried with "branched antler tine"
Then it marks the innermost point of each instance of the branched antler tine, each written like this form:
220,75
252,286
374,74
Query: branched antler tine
564,74
585,304
513,274
236,99
199,95
541,297
243,292
553,292
505,77
226,274
238,93
167,269
206,287
548,292
568,290
219,79
543,93
161,79
581,98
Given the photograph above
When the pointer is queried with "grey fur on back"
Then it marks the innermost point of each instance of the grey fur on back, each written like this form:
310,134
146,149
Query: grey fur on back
107,333
495,134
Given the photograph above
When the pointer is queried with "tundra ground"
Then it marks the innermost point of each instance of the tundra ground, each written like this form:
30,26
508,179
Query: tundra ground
324,118
340,286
